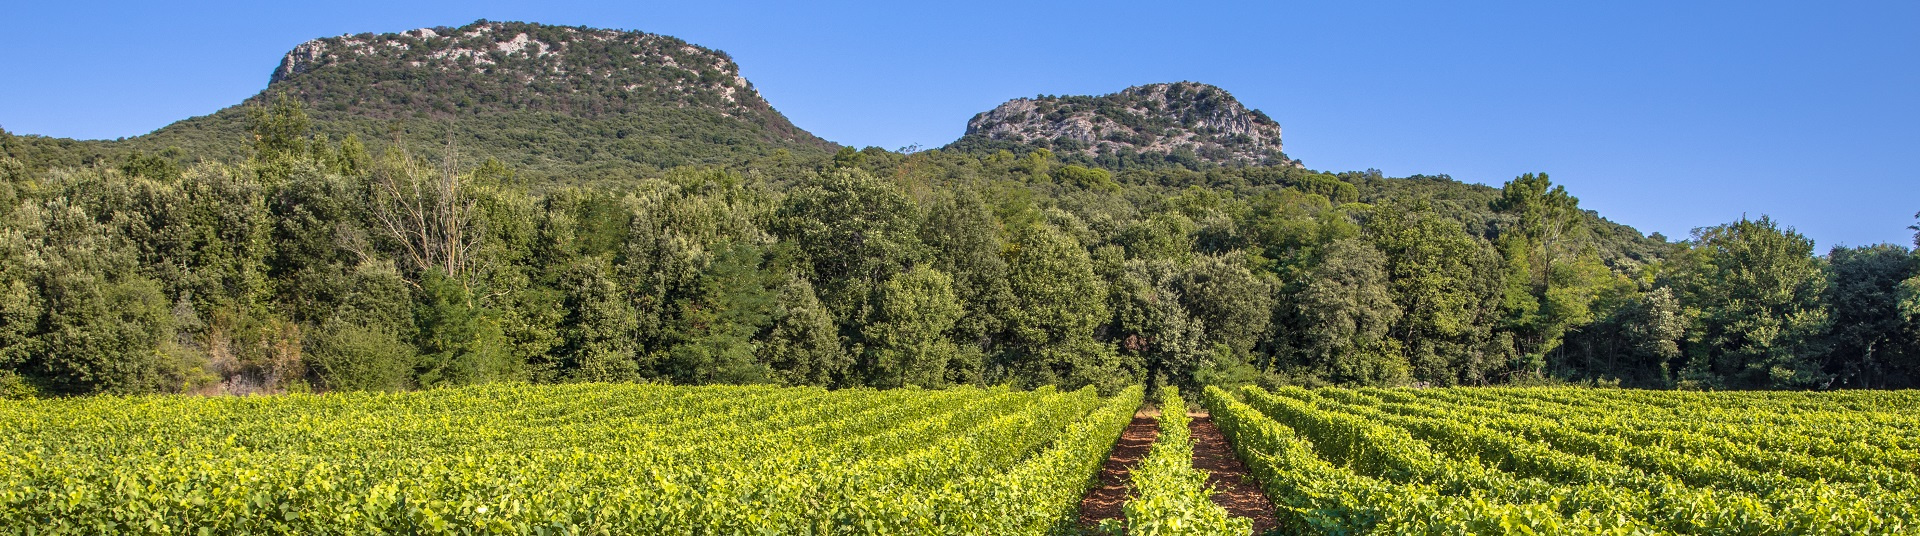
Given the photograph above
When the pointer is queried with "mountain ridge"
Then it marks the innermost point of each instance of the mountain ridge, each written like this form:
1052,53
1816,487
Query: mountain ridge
556,101
1189,124
579,104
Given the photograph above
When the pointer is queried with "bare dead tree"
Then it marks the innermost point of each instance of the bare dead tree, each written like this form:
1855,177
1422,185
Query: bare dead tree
432,218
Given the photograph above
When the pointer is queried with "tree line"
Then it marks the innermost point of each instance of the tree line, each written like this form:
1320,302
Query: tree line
323,265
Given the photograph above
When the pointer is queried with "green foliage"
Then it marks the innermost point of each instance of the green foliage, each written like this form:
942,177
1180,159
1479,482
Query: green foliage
1057,302
348,356
551,240
279,132
598,341
801,346
1328,186
1872,343
1545,292
1753,293
718,317
1341,318
14,387
1444,282
856,231
1170,496
594,458
1232,303
1093,179
1151,324
1909,292
906,335
1567,461
460,342
720,276
964,237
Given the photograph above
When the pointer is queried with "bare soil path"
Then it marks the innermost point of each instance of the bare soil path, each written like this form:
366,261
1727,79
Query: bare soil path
1234,489
1116,476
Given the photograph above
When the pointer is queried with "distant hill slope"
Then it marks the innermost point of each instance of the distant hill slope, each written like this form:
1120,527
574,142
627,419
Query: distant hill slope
550,100
1187,124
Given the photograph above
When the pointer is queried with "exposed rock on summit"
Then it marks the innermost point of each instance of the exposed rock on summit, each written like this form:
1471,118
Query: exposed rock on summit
556,103
1186,122
525,66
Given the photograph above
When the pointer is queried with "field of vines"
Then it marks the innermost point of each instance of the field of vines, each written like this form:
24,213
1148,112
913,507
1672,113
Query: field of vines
651,459
575,459
1579,461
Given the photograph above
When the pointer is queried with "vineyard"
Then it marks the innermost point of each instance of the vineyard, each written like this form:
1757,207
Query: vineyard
653,459
578,459
1573,461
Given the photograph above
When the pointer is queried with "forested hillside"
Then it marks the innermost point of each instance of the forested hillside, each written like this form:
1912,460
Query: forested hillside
315,264
560,104
414,210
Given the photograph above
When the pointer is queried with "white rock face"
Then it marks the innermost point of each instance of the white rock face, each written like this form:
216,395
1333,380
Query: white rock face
1154,118
520,43
300,59
652,69
483,44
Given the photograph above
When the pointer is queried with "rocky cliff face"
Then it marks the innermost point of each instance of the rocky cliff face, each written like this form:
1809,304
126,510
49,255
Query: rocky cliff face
1185,120
519,66
555,102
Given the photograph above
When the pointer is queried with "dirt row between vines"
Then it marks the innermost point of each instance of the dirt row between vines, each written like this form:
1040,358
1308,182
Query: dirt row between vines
1234,489
1116,476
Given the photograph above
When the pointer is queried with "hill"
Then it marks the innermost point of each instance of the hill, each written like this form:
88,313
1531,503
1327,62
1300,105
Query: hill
1186,124
548,100
1158,234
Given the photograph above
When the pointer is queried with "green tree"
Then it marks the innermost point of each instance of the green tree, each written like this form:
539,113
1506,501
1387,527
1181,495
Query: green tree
317,231
713,337
1543,296
15,184
367,341
1341,316
1545,218
1909,293
351,356
907,333
352,159
1158,236
1092,179
1058,301
802,346
1870,343
1753,291
856,232
1635,339
1234,305
460,342
963,236
1446,283
280,136
1654,326
597,336
79,318
1150,323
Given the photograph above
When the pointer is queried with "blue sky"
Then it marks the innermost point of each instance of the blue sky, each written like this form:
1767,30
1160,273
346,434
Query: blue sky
1662,115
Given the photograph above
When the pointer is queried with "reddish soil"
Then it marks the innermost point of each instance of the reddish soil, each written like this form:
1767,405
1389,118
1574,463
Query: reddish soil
1234,489
1116,483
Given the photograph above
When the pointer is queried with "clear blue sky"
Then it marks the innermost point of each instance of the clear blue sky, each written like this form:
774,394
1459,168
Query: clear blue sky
1661,115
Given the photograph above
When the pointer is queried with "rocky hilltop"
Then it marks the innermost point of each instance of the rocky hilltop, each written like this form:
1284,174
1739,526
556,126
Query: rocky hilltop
1185,123
499,66
566,103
